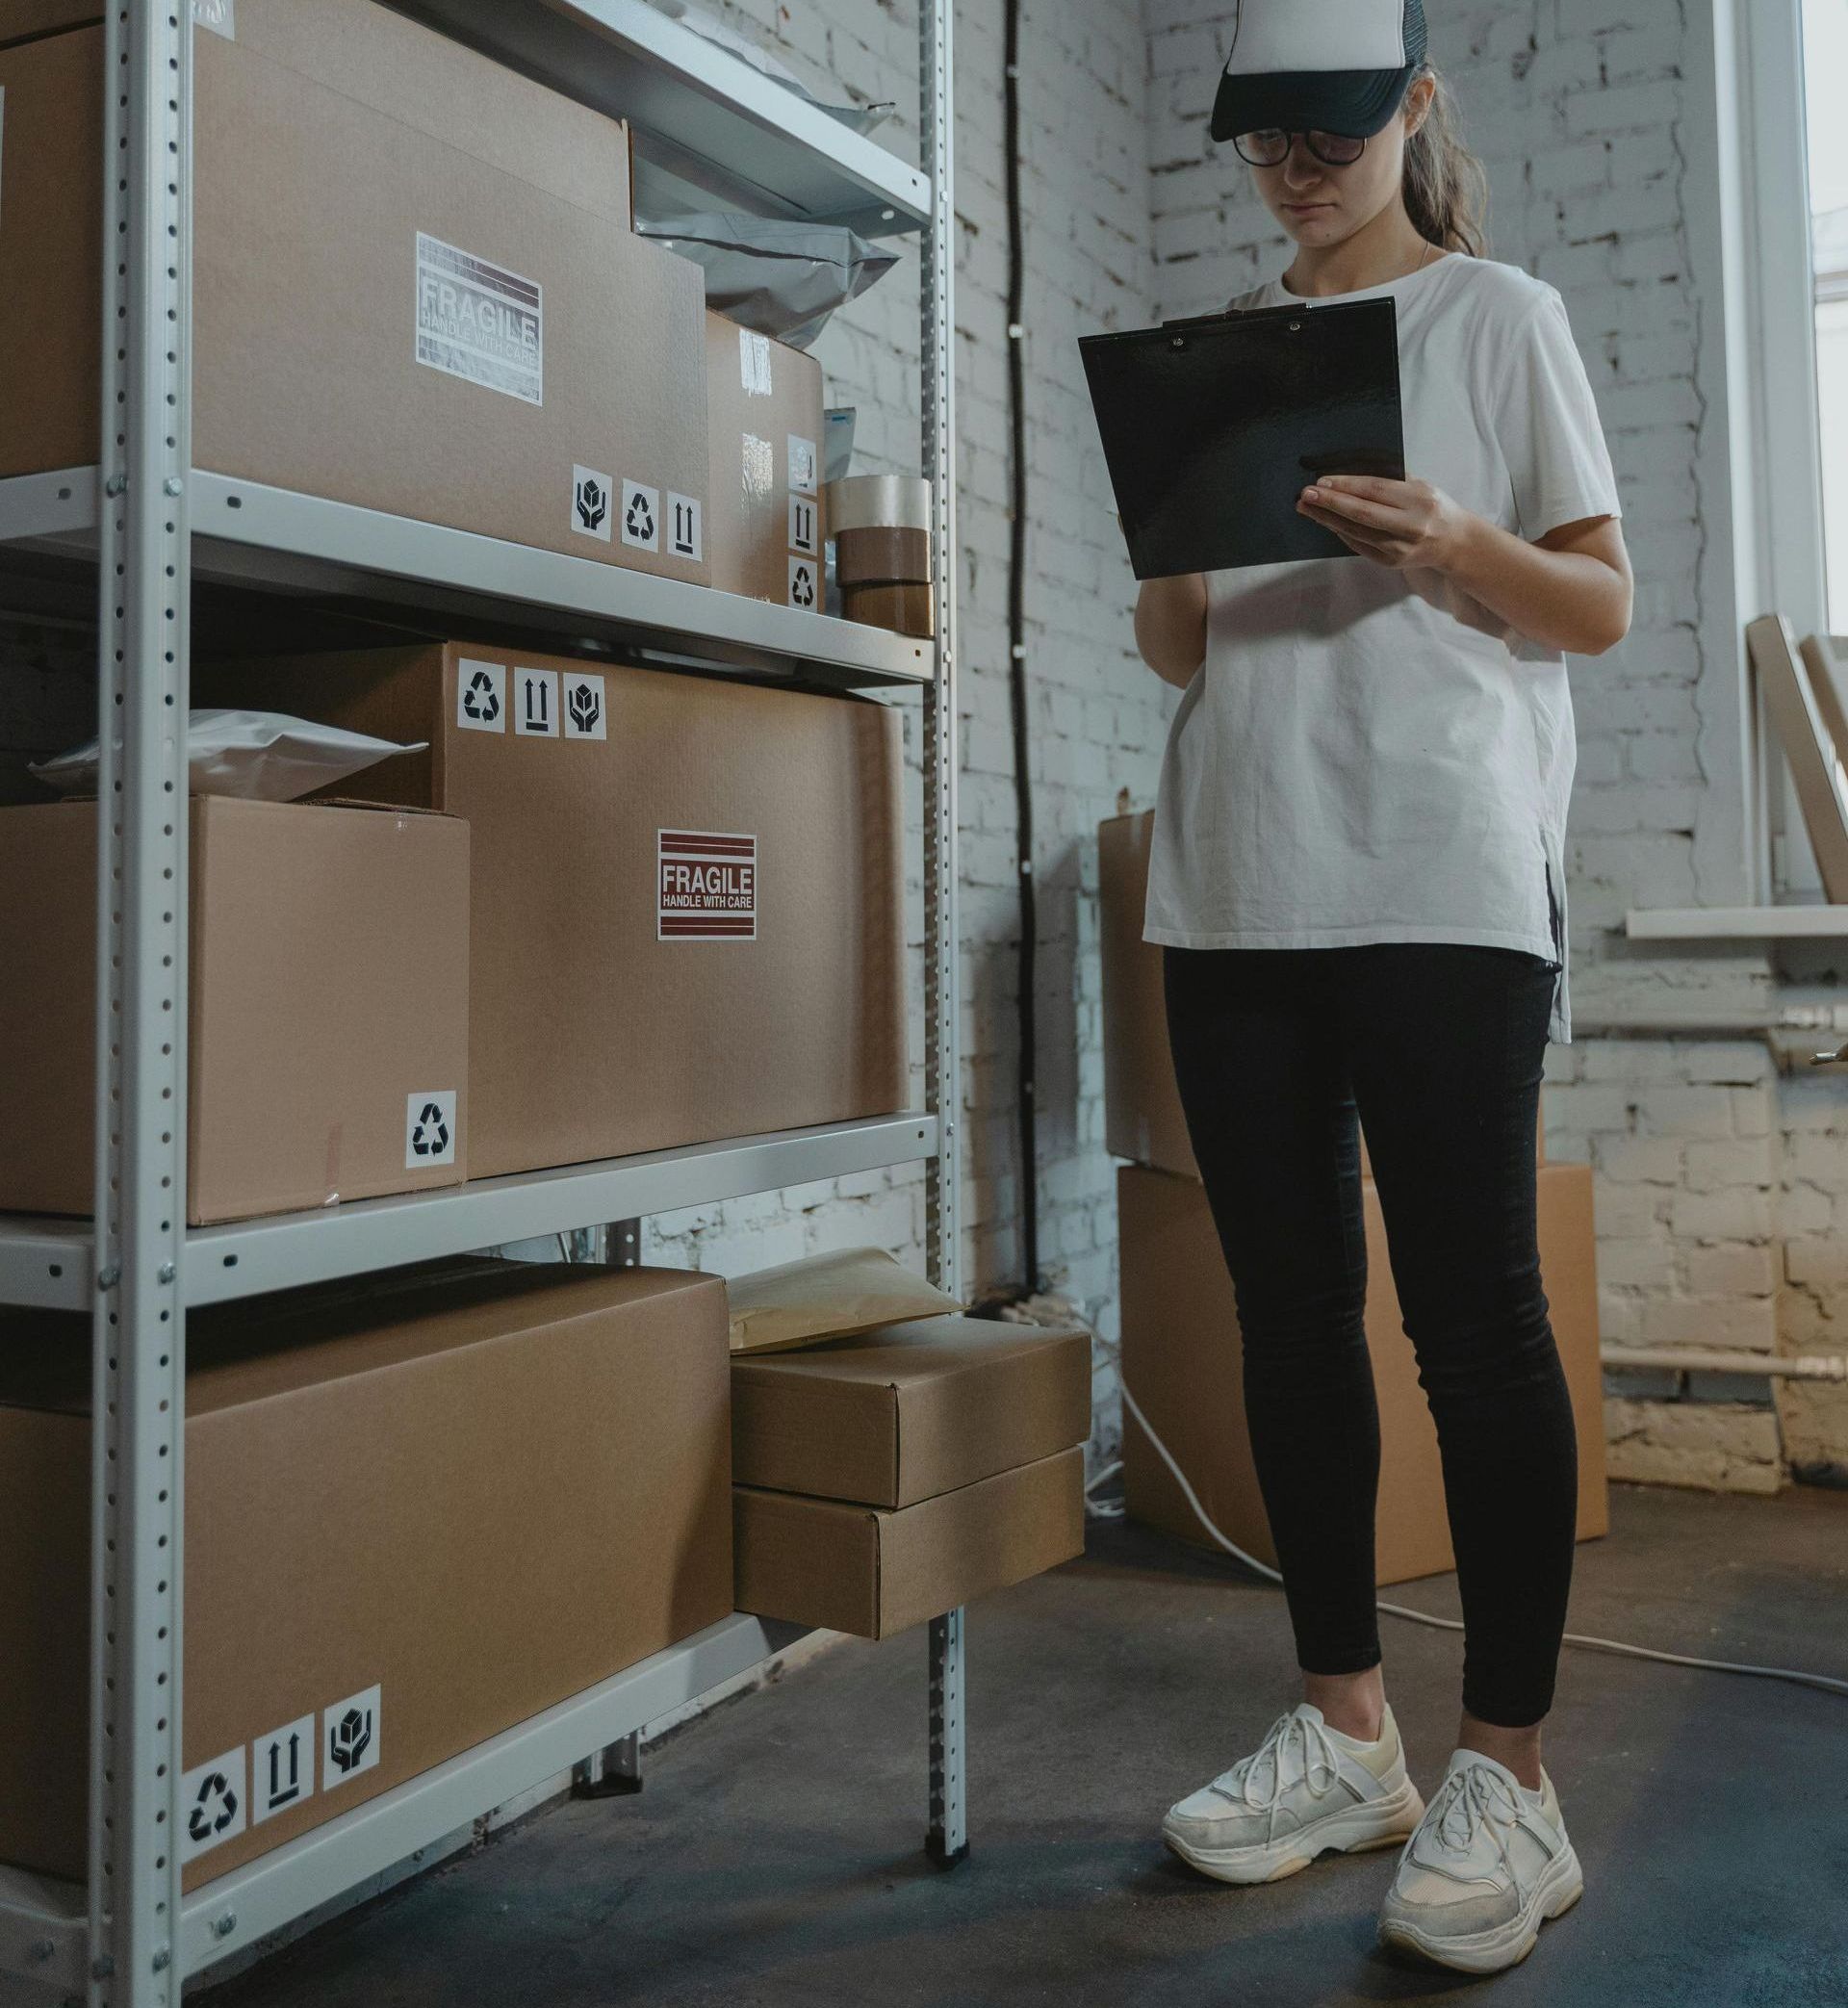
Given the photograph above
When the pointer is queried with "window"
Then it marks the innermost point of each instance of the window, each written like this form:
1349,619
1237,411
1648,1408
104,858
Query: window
1825,76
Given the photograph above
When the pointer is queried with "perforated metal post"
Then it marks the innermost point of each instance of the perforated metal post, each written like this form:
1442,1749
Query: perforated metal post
135,1808
948,1837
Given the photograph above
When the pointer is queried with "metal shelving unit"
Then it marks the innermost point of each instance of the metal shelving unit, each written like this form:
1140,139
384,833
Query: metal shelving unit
135,532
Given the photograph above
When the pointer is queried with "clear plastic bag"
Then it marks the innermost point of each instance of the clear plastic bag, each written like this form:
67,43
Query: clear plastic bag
257,755
785,279
860,119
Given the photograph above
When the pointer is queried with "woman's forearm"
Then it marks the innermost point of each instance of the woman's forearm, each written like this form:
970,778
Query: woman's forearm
1171,626
1562,599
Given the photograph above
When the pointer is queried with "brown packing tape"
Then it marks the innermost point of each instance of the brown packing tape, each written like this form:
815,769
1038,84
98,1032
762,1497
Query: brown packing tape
827,1297
884,556
906,609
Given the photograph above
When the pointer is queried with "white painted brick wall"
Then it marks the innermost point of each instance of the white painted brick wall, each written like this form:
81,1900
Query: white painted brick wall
1721,1187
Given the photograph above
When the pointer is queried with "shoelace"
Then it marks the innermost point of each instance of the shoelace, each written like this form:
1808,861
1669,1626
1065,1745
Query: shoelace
1485,1799
1316,1743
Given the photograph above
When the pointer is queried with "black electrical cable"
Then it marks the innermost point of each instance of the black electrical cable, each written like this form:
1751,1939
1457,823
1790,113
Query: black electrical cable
1028,1202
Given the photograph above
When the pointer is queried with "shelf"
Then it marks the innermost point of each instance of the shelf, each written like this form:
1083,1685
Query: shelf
1818,922
47,1263
698,104
42,1922
245,533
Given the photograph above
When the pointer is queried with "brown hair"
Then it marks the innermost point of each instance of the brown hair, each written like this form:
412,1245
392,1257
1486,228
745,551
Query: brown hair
1445,186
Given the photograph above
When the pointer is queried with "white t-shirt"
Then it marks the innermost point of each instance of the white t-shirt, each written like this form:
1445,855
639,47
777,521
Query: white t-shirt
1370,754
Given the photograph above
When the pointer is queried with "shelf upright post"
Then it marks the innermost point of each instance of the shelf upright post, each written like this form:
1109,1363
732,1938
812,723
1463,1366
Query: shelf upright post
947,1840
139,1316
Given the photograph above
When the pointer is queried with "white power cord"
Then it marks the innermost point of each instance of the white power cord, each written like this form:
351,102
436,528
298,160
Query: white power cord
1424,1617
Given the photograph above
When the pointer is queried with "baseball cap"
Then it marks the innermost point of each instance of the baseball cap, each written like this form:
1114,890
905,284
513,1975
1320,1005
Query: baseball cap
1328,65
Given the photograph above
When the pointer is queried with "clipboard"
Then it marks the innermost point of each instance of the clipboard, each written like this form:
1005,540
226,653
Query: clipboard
1212,428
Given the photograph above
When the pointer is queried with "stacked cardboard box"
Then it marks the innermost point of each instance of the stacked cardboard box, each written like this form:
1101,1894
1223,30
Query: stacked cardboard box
327,1006
766,516
883,1480
1180,1332
416,285
418,1509
688,911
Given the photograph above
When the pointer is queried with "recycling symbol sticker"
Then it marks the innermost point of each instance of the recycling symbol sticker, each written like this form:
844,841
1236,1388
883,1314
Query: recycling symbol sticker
802,581
429,1129
641,516
212,1798
481,696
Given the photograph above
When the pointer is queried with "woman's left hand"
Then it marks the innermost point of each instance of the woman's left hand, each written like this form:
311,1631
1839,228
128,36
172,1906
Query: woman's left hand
1399,524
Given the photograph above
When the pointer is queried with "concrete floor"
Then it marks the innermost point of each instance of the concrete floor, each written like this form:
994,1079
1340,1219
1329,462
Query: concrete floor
773,1857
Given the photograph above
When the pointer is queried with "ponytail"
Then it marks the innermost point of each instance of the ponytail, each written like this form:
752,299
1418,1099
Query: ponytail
1445,186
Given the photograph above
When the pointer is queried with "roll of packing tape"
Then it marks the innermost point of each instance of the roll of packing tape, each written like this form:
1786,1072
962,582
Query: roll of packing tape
883,556
879,502
903,608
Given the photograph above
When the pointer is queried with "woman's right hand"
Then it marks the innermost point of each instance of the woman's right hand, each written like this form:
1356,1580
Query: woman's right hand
1171,626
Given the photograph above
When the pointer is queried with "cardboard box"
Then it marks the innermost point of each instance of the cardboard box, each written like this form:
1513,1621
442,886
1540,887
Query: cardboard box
326,1006
688,891
765,518
873,1572
1182,1361
415,285
910,1410
1142,1119
427,1507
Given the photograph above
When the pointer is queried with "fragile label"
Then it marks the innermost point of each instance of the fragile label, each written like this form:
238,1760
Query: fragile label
282,1768
429,1128
349,1734
803,462
708,887
803,587
478,322
585,715
803,524
590,503
535,704
212,1804
481,696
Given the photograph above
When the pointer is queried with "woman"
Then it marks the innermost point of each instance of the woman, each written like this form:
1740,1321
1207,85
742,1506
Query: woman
1357,878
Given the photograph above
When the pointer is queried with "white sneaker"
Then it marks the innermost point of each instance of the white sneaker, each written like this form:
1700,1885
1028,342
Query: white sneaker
1305,1790
1489,1863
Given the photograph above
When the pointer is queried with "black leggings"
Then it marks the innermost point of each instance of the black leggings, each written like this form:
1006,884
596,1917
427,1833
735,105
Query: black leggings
1436,1048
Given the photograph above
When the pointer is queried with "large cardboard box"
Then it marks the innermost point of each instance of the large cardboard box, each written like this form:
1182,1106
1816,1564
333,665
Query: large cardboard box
1142,1119
907,1411
327,1006
417,1511
1182,1362
765,520
688,891
414,285
873,1572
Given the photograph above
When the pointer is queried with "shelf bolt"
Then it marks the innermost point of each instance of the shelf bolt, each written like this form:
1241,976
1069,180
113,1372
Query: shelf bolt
116,484
40,1950
171,485
109,1278
167,1272
162,1958
222,1927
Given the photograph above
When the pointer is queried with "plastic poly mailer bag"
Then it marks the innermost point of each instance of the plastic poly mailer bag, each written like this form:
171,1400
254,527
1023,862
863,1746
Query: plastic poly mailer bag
257,755
860,119
828,1296
785,279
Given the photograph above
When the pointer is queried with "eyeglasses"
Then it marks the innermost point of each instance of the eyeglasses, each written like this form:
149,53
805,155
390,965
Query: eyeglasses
1270,148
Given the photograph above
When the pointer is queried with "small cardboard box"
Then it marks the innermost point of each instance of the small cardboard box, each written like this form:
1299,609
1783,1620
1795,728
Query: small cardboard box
765,520
688,891
872,1571
1182,1362
327,1006
417,1511
1143,1118
909,1411
416,287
